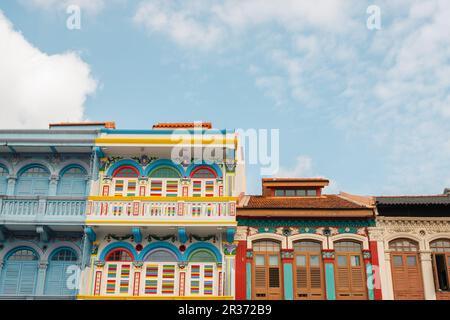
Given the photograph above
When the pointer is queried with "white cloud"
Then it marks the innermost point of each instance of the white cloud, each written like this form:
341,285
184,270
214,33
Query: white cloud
36,88
303,168
92,7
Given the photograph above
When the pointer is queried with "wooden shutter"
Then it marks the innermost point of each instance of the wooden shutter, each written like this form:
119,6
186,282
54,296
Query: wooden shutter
28,278
56,279
10,279
406,278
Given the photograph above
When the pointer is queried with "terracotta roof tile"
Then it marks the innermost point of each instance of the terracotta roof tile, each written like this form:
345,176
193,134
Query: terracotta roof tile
322,202
109,125
182,125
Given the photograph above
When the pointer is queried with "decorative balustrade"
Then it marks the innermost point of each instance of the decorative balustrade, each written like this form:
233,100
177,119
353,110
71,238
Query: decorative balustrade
161,210
42,210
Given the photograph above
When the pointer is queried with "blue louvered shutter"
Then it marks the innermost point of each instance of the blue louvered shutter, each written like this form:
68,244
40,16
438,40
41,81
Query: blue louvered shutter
56,282
3,180
34,181
10,279
28,277
73,183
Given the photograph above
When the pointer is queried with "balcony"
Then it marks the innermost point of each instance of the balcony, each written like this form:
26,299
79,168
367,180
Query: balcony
42,210
161,211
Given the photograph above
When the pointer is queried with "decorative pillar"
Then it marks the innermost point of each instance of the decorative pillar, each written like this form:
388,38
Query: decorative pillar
328,259
11,185
389,282
137,266
427,275
40,285
98,275
369,274
182,278
52,189
220,281
287,258
240,274
229,250
248,272
376,269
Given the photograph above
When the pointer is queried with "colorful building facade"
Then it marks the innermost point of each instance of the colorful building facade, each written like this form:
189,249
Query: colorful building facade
296,243
88,211
161,216
44,180
413,239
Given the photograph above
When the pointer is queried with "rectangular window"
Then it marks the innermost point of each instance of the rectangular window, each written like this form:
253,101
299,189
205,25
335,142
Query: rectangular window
301,261
301,193
411,261
311,193
259,260
273,260
355,261
398,261
279,193
314,261
290,193
441,272
342,261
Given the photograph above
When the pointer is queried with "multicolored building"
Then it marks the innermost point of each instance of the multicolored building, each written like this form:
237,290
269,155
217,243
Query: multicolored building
161,215
88,211
294,242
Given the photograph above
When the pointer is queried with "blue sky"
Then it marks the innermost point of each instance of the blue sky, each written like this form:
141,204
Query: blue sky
368,109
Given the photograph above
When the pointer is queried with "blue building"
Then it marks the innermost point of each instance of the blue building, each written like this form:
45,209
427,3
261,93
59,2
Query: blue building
45,177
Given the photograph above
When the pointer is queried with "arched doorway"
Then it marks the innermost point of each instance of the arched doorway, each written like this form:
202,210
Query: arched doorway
266,270
350,274
161,276
202,273
118,271
57,282
406,270
19,273
308,271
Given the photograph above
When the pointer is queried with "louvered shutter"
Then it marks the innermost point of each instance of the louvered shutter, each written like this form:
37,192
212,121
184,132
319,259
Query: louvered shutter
40,186
56,279
24,187
10,279
3,184
28,278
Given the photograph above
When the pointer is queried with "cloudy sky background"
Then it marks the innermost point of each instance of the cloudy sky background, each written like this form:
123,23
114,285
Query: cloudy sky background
369,109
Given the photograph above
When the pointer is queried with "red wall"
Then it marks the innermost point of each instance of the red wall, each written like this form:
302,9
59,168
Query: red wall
241,270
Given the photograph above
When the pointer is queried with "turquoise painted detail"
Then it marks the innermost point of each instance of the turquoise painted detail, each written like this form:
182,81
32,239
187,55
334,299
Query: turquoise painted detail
213,166
163,163
202,245
3,179
370,284
329,280
125,162
117,245
137,234
92,236
230,234
182,235
160,245
248,269
288,283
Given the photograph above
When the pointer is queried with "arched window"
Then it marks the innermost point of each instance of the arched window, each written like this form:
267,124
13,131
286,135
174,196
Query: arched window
161,256
266,270
125,181
3,180
33,181
118,264
73,182
309,283
164,181
441,265
202,256
119,255
203,182
57,277
161,276
350,273
202,273
19,274
406,269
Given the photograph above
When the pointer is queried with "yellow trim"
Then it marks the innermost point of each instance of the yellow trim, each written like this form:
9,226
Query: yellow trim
170,222
128,297
168,199
212,140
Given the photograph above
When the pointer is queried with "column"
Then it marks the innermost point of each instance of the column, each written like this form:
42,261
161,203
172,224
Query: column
287,258
427,275
182,278
53,185
248,273
389,294
97,279
241,272
328,260
11,185
369,274
40,284
230,268
137,266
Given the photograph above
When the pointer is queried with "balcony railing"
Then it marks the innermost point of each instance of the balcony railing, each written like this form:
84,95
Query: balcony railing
160,211
42,210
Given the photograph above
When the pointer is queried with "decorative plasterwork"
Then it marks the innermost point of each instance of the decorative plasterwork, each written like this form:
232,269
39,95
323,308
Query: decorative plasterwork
290,231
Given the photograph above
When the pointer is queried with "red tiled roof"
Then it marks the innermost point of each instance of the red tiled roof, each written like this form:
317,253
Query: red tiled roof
322,202
182,125
295,180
